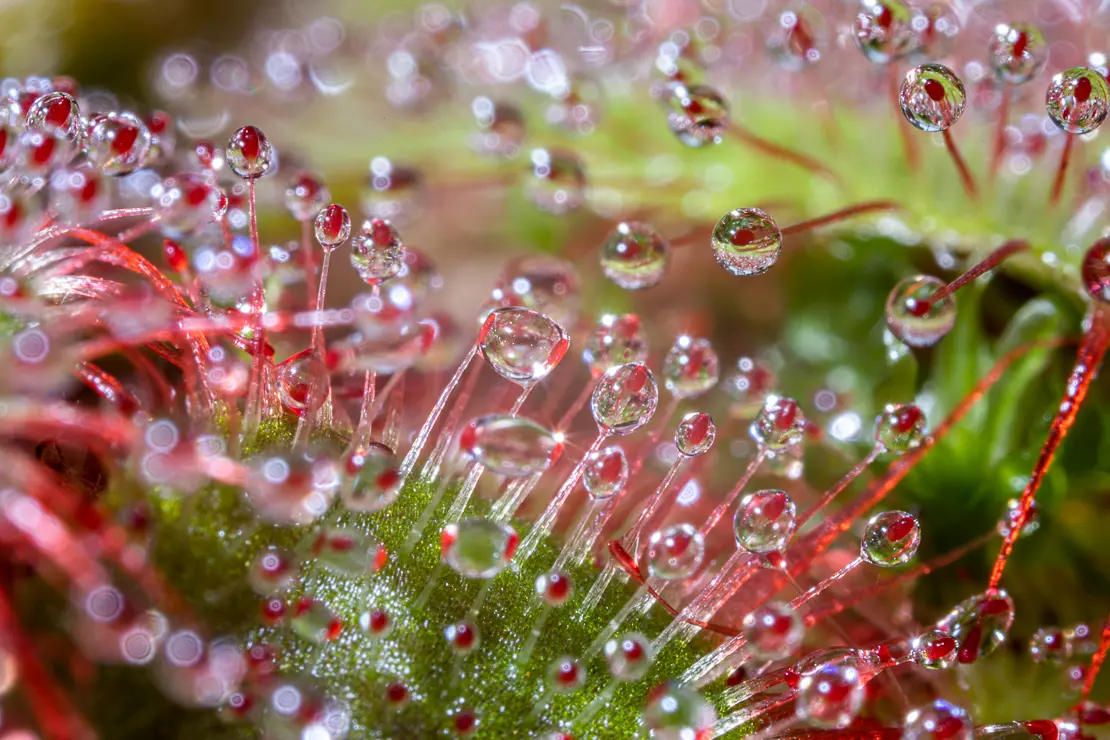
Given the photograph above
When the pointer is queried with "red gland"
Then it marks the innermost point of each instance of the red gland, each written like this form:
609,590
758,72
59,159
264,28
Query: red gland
900,529
396,694
465,723
273,610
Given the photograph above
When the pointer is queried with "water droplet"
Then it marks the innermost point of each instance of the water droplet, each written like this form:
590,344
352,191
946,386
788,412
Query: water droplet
314,621
249,153
900,428
1095,271
547,285
675,552
780,424
747,241
937,28
890,538
674,712
332,226
884,30
56,115
764,521
938,721
522,345
1049,644
1009,519
934,650
629,656
1077,100
301,378
691,367
831,696
295,709
512,446
980,624
184,204
291,488
932,97
913,318
1017,52
502,127
371,481
118,143
606,472
695,434
773,631
463,637
558,182
392,191
554,587
748,387
376,623
272,571
635,256
346,552
697,114
624,398
305,195
797,37
478,548
616,340
377,253
565,675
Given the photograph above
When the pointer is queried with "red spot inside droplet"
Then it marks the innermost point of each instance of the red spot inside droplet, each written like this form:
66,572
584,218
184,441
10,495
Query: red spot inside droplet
12,215
940,648
335,628
447,538
791,678
468,440
567,673
1043,728
381,233
742,237
381,557
273,610
250,141
1021,44
511,544
465,722
774,506
90,189
262,660
396,694
558,588
900,528
341,543
992,607
125,138
1082,90
205,152
698,430
612,465
379,621
737,677
948,727
906,419
388,479
884,18
633,650
969,648
158,122
1093,714
43,152
193,192
934,90
58,112
918,308
786,414
557,352
464,636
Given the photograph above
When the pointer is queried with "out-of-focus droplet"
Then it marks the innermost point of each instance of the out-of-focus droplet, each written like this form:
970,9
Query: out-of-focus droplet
635,256
1009,519
675,712
377,252
1095,271
272,571
522,345
463,637
748,387
370,478
900,428
512,446
675,552
697,114
554,587
629,656
913,317
376,623
695,434
558,181
797,37
393,191
314,621
831,696
1017,52
501,125
249,153
332,226
346,552
780,424
478,548
291,487
118,143
890,538
624,398
932,97
615,341
547,285
565,675
691,367
606,472
184,204
764,521
1049,644
884,30
1078,100
747,241
773,631
305,195
939,720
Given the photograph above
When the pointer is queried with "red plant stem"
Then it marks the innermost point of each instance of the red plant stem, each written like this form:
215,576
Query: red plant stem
1000,133
253,415
1096,664
780,152
991,261
1091,350
840,485
1061,171
909,144
575,407
108,387
309,257
961,166
841,215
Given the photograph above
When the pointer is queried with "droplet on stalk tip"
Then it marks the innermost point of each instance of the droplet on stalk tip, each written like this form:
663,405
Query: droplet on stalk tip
932,97
272,571
305,195
478,548
691,367
939,720
291,487
1010,517
900,428
747,241
629,656
1017,52
547,285
934,650
332,226
884,30
1049,644
377,252
1077,100
512,446
890,538
675,552
463,637
558,181
635,256
617,340
916,319
118,143
554,587
370,478
249,153
779,425
697,114
185,203
502,127
606,472
695,434
675,712
773,631
522,345
625,398
346,552
764,521
748,387
831,696
565,675
979,624
57,115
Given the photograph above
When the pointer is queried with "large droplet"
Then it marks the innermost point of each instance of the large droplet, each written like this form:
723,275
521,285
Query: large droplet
939,720
249,153
558,181
980,624
773,631
831,696
629,656
675,712
691,367
291,488
300,379
675,552
913,317
697,114
695,434
332,226
346,552
522,345
900,428
624,398
117,143
884,30
377,252
890,538
512,446
1078,100
370,478
478,548
185,203
747,241
764,521
635,256
932,97
606,472
1017,52
548,285
56,115
1095,271
780,424
305,195
616,340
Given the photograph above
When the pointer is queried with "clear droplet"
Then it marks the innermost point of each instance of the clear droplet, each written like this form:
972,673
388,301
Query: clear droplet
629,656
377,252
635,256
272,571
913,317
1095,271
512,446
979,624
691,367
616,340
606,472
748,387
780,424
376,623
558,181
346,552
695,434
937,28
675,552
547,285
478,548
932,97
332,226
934,650
392,190
249,153
301,378
463,637
501,125
884,30
1049,644
522,345
1077,100
773,631
624,398
764,521
184,204
938,721
314,621
900,428
697,114
1017,52
747,241
305,195
1009,519
291,487
554,587
797,37
675,712
118,143
890,538
56,115
371,481
831,696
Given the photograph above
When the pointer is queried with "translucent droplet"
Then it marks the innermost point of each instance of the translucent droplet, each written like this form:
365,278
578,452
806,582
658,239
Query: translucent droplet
502,127
797,37
773,631
900,428
695,434
937,28
831,696
295,709
290,487
419,274
118,143
558,182
764,521
675,552
938,721
913,318
691,367
1049,644
314,621
227,278
697,114
463,637
890,538
884,30
675,712
980,624
1009,519
522,345
376,623
616,340
305,195
747,241
780,424
748,387
934,650
301,378
624,398
377,252
371,481
1017,52
547,285
629,656
932,97
512,446
56,115
565,675
1082,642
606,472
272,571
392,191
346,552
1077,100
249,153
478,548
554,587
332,226
635,256
184,204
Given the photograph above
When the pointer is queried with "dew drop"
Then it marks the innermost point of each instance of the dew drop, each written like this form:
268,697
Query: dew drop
118,143
565,675
675,552
301,378
370,478
624,398
522,345
392,191
463,637
695,434
314,621
558,181
616,340
748,387
185,203
502,127
934,650
606,472
884,30
773,631
291,488
913,318
554,587
779,425
56,115
1010,517
697,114
547,285
629,656
377,252
747,241
890,538
691,367
979,624
831,696
512,446
478,548
938,721
797,37
305,195
1049,644
900,428
1017,51
1095,271
932,97
635,256
332,226
674,712
1077,100
764,521
249,153
346,552
272,571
